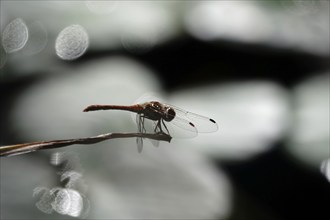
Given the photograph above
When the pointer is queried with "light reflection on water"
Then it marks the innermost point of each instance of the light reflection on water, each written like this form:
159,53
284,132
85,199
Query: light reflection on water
69,199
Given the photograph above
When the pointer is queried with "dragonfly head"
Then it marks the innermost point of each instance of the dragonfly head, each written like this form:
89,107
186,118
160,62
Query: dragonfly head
169,113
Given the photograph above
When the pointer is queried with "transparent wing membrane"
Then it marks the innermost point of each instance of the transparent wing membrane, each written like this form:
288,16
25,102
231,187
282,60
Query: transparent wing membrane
139,140
139,143
180,129
145,126
171,120
201,123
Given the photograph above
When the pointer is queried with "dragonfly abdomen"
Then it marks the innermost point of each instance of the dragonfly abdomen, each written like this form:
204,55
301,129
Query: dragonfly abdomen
132,108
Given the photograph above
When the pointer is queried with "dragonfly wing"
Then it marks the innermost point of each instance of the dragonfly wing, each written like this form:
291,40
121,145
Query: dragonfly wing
145,126
151,127
139,143
139,140
201,123
180,128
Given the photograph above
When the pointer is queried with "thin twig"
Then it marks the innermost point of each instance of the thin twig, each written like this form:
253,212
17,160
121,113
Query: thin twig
16,149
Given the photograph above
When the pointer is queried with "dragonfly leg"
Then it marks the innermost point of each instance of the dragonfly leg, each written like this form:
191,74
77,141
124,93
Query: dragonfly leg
142,125
137,119
139,140
158,127
165,127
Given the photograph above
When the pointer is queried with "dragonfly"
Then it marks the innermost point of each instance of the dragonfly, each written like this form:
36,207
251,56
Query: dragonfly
164,118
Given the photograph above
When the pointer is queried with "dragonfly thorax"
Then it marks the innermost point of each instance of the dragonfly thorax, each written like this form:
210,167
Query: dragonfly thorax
156,111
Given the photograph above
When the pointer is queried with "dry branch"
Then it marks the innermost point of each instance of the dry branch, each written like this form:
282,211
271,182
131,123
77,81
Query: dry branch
16,149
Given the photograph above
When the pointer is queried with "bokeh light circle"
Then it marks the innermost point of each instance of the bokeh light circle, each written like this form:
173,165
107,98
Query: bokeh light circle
71,42
15,36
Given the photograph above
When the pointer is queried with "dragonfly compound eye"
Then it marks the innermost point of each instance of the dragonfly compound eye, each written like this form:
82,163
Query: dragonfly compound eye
170,114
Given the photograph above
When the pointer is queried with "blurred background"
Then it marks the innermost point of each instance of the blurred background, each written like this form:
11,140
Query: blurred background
259,68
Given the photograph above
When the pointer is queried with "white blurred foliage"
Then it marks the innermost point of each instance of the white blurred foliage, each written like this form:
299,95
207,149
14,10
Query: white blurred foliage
138,42
53,108
101,7
161,183
251,116
310,138
15,35
144,26
247,21
304,7
325,168
234,20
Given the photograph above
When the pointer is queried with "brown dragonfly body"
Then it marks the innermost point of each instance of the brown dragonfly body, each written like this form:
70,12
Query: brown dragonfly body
151,110
162,116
